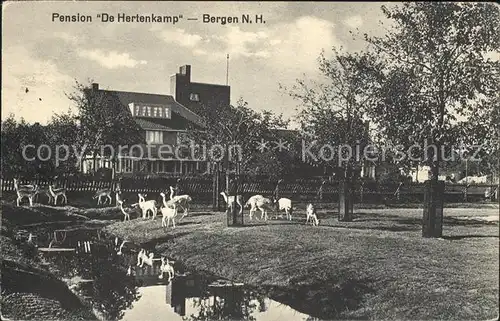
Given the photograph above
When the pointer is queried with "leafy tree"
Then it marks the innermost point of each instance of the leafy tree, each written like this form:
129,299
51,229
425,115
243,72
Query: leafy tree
103,120
435,71
333,111
18,157
238,129
61,136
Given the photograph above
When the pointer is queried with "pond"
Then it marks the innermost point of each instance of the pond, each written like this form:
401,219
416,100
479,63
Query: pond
109,278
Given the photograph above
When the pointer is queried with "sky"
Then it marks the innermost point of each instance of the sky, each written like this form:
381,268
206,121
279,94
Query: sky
47,56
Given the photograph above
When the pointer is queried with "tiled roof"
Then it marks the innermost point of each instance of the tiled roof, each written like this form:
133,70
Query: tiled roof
127,97
146,124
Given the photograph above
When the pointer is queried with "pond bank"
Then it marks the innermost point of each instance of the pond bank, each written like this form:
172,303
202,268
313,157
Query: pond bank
377,267
33,289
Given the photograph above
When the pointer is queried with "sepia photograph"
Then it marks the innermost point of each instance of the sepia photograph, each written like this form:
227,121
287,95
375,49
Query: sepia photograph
245,160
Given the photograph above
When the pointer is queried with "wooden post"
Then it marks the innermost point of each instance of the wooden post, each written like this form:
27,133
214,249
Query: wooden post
432,223
215,191
346,204
361,191
276,189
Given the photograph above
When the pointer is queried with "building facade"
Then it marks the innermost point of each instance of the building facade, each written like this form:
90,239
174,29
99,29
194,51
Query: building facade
165,121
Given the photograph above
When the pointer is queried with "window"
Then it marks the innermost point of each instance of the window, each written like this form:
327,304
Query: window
194,97
155,111
154,137
149,111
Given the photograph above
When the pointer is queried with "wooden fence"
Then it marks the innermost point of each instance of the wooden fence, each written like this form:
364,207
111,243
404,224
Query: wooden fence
202,188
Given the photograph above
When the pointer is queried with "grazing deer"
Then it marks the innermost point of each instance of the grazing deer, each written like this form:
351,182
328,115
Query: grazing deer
106,192
285,204
230,201
56,192
264,205
252,202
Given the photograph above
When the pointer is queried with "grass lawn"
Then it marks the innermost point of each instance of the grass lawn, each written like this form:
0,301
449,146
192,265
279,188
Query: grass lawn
377,267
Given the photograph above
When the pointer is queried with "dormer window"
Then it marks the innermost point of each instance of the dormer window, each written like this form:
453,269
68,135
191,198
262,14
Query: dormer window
194,97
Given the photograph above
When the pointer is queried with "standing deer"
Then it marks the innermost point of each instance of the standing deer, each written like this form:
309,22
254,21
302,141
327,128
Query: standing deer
230,201
56,192
105,192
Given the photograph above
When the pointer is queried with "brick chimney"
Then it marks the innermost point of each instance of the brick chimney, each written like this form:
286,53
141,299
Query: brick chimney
95,86
186,71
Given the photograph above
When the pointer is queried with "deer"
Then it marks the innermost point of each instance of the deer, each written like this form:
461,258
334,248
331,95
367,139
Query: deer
230,201
183,201
126,216
106,192
252,202
140,255
146,206
23,187
148,259
118,198
168,211
264,205
166,267
285,204
311,215
29,193
56,192
121,247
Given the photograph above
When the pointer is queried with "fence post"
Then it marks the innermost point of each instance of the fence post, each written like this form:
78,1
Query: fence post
215,190
320,190
277,189
361,191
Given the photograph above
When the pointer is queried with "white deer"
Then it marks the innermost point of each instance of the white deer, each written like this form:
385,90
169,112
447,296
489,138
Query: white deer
252,202
29,193
230,201
106,192
166,267
148,259
264,205
168,211
285,204
23,187
140,255
311,215
56,192
183,201
146,206
126,215
118,198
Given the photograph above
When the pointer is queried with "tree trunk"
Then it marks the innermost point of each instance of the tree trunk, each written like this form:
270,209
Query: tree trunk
432,223
346,204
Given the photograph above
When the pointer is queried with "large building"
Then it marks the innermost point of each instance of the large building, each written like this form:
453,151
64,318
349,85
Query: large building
164,120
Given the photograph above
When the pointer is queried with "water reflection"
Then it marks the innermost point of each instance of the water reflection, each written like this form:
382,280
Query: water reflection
110,290
119,289
192,297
